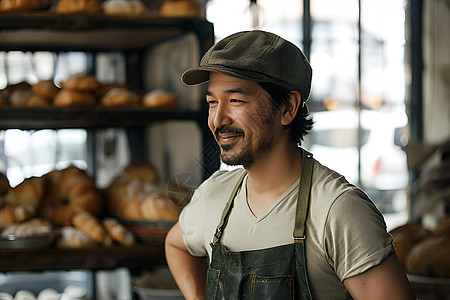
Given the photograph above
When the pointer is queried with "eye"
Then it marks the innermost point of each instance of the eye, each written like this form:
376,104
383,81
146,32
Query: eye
211,102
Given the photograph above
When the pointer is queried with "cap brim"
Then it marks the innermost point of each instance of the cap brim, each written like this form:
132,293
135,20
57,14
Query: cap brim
195,76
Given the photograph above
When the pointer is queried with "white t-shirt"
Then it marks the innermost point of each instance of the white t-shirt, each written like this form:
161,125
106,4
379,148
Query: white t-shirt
345,232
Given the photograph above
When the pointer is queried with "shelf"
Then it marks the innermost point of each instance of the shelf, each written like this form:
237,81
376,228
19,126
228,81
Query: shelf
86,117
140,257
47,31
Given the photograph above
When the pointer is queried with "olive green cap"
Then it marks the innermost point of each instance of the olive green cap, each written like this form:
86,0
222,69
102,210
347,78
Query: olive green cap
258,56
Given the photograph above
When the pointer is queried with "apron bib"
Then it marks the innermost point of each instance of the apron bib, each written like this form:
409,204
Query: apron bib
273,273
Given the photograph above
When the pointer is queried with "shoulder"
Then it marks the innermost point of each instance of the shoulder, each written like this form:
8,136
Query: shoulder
221,180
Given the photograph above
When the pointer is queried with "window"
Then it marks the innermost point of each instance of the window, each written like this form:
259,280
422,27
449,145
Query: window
357,54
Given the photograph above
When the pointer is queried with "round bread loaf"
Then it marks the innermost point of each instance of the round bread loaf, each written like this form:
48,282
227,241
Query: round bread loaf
36,100
45,88
125,8
180,9
160,98
120,97
430,257
406,237
71,237
81,82
7,5
78,6
143,171
74,98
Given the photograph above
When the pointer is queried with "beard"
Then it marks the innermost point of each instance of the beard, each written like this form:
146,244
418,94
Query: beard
248,153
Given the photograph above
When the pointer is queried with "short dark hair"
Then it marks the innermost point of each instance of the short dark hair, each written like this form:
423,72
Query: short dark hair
302,123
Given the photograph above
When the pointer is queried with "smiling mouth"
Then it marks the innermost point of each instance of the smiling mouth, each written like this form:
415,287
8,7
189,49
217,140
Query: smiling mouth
228,136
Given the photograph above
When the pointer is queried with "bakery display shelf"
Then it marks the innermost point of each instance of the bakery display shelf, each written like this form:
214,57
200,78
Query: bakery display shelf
139,257
87,117
47,31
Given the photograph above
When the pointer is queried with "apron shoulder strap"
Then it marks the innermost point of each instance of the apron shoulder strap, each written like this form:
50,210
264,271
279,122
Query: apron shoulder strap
304,191
227,209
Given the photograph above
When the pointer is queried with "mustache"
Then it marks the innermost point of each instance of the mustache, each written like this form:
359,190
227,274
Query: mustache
228,129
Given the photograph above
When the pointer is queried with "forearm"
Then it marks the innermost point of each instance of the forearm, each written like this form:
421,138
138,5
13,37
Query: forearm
188,271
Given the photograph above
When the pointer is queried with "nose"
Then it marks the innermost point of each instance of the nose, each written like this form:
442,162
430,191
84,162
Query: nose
220,115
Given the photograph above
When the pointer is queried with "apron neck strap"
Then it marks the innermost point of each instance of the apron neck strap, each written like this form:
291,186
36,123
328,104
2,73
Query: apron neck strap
303,196
302,201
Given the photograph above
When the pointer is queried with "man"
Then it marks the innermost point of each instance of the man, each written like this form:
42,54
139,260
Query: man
284,226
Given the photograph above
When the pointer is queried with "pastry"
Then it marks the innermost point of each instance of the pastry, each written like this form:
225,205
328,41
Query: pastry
38,101
90,225
406,237
118,232
70,190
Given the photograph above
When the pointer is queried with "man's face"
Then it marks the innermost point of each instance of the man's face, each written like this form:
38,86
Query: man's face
241,119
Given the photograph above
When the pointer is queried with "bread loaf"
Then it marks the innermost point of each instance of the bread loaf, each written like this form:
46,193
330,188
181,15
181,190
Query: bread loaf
125,8
406,237
430,257
160,98
7,5
45,88
120,97
180,9
78,6
74,98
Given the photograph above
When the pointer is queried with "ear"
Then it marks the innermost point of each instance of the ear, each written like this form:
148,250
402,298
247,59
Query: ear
292,108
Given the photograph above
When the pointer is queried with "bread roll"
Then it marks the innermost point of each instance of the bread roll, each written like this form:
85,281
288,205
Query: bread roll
71,237
430,257
33,227
143,171
118,232
78,6
45,88
73,98
160,98
81,82
120,97
7,5
159,207
443,228
19,95
180,9
4,184
38,101
406,237
125,8
90,225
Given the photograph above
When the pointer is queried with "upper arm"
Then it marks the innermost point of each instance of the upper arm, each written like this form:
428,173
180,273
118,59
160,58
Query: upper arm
384,281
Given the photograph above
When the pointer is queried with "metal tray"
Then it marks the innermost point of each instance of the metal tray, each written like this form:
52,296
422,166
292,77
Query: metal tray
14,243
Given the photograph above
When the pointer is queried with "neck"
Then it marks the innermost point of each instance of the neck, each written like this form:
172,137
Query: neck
275,172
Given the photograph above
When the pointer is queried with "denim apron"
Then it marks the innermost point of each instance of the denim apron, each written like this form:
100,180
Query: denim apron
273,273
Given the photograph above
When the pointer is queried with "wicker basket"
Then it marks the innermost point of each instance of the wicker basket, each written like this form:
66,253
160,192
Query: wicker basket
148,232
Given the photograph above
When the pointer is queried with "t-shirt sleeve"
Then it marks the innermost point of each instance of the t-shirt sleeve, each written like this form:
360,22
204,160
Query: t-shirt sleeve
189,221
356,238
